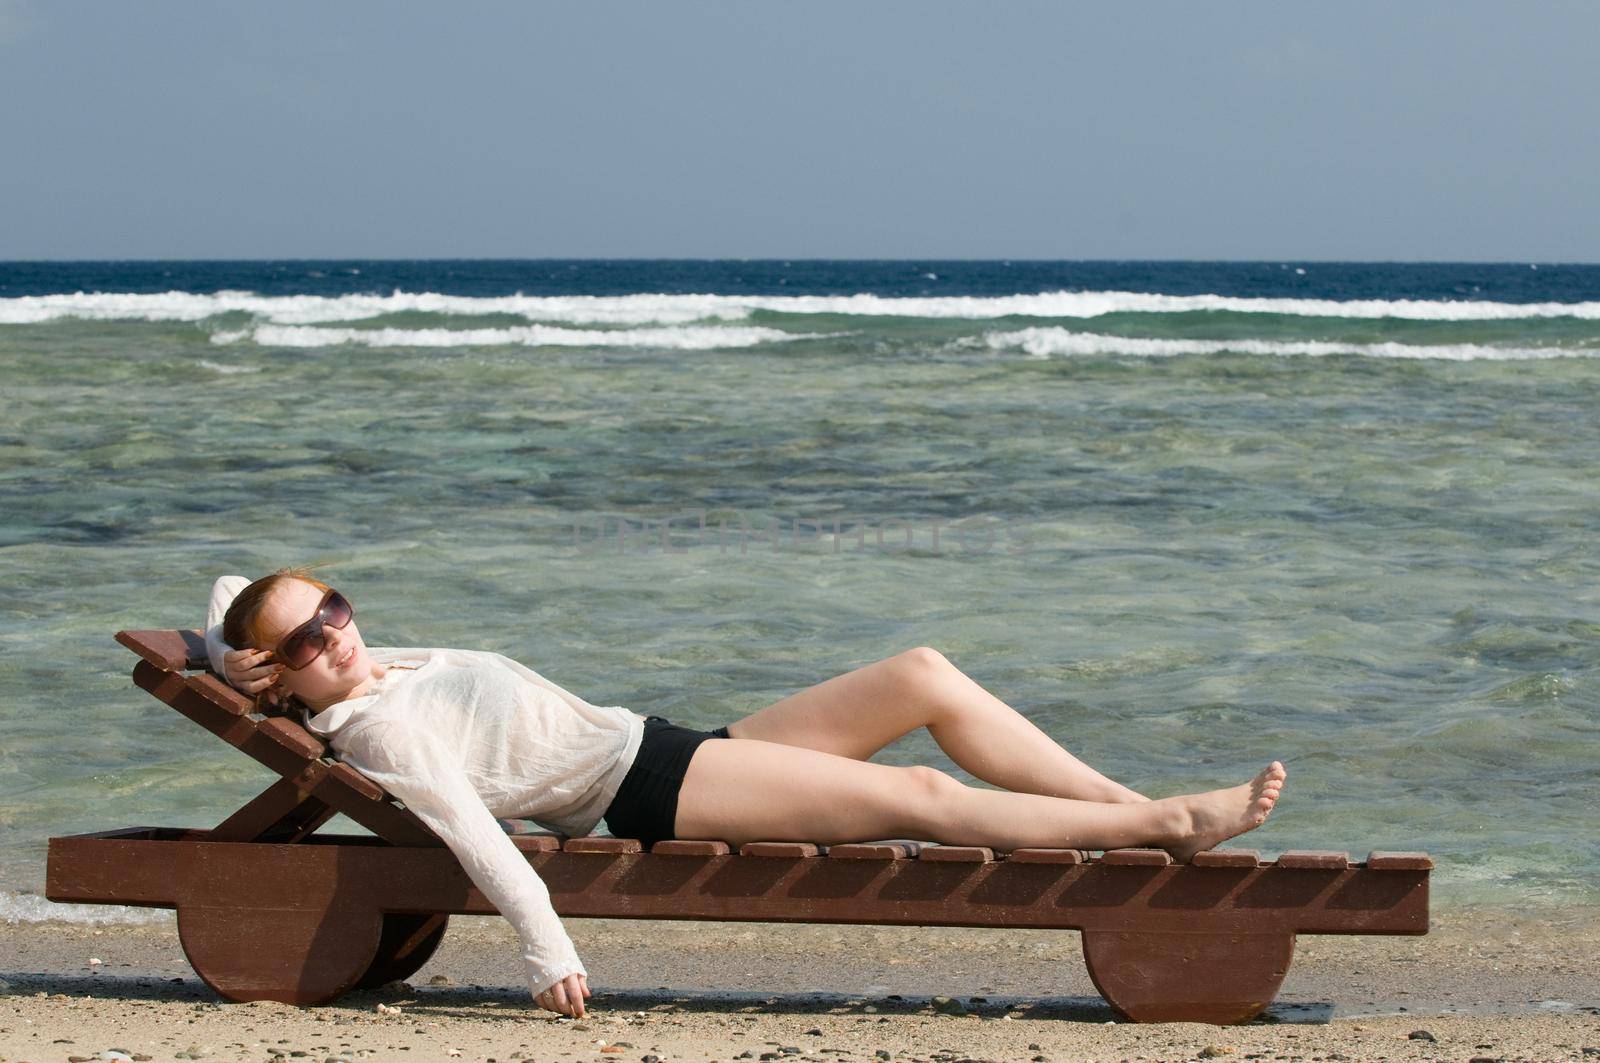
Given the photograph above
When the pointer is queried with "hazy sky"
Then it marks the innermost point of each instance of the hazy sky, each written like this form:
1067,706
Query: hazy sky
1388,130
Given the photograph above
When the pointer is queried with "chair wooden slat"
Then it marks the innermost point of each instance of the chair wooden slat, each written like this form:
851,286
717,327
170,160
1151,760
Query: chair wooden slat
690,847
1315,859
1382,860
171,650
957,854
1048,856
536,842
596,843
1137,857
780,850
359,783
395,825
891,850
173,689
1227,858
292,737
219,694
285,812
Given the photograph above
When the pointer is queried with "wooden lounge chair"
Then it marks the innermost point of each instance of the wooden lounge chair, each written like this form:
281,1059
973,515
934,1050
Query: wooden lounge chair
268,908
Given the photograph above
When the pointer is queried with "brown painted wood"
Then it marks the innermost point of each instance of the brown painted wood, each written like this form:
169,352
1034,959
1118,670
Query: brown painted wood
261,921
538,842
957,854
1227,858
172,651
1137,857
165,686
779,850
220,694
1047,856
1095,895
602,844
284,812
357,783
396,825
896,850
1315,859
686,847
132,866
293,955
297,745
1379,860
1196,976
407,942
1129,913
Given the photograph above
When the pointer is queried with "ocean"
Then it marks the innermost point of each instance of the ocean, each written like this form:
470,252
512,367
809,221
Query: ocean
1188,517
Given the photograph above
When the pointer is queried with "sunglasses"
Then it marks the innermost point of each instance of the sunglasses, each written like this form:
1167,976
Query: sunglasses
305,643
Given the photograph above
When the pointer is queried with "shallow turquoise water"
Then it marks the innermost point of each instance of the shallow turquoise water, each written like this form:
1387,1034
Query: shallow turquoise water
1380,570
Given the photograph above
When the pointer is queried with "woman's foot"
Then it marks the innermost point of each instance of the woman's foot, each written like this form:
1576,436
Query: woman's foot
1209,818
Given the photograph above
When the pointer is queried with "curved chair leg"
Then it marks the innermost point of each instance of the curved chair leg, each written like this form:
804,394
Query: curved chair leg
296,956
1207,976
407,943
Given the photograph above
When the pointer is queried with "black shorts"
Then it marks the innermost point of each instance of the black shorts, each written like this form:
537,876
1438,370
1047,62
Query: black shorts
646,805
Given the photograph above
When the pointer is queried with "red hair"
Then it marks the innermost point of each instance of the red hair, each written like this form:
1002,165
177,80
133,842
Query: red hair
241,623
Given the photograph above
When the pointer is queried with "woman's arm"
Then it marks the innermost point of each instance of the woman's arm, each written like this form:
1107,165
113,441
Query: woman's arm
223,592
417,768
246,668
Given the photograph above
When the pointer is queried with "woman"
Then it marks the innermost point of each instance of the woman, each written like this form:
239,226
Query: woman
463,737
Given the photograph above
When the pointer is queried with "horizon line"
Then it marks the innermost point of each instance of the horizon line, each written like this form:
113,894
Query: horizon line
786,259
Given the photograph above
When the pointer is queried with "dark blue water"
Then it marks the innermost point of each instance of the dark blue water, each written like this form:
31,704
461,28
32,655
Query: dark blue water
1503,282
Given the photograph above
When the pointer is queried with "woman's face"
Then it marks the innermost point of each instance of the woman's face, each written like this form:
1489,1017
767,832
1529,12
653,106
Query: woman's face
340,668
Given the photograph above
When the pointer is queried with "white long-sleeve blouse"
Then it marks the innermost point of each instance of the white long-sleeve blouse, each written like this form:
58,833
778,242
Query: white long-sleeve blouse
465,736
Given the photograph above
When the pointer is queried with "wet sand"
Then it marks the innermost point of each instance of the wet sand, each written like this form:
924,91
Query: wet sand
1481,985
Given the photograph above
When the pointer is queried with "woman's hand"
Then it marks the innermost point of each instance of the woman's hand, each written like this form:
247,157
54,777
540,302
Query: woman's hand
250,671
566,996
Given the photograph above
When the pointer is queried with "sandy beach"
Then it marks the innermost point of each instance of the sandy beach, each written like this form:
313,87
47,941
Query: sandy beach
1482,985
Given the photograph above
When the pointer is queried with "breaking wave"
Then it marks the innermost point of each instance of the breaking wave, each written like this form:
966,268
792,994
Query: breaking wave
695,338
667,309
31,908
1048,342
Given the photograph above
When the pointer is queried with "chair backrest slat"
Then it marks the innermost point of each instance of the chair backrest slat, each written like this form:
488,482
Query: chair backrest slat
219,694
292,738
356,781
172,650
173,688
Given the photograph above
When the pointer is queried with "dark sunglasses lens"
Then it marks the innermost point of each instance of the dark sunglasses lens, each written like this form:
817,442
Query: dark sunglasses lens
337,612
300,650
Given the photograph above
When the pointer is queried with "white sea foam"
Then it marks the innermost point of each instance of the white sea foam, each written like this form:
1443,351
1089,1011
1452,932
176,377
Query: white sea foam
1048,342
319,309
666,309
228,370
691,338
1097,304
31,908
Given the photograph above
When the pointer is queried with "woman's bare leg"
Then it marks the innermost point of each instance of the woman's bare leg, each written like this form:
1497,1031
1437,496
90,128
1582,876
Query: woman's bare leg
740,790
858,713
